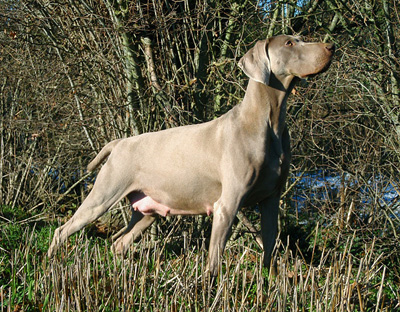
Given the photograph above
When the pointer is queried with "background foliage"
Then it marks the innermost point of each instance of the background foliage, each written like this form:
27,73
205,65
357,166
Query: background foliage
77,74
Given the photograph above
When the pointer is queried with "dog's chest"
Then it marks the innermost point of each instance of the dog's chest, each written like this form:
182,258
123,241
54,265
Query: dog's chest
271,176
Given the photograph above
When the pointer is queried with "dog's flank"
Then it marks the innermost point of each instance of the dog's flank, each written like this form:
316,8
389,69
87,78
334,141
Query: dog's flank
239,159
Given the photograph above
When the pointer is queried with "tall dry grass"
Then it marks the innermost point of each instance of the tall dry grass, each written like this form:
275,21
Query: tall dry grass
85,276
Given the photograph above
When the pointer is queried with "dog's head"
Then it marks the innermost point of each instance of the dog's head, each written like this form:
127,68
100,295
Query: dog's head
286,56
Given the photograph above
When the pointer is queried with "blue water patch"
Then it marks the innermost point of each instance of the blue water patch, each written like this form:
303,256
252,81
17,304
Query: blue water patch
61,182
321,187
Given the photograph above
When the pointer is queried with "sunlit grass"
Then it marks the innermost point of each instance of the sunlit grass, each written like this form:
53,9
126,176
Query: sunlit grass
86,276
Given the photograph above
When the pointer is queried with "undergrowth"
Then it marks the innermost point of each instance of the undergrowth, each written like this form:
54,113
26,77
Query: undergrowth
161,274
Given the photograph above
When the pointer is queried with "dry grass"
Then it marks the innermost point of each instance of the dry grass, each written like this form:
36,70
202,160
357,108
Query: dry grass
85,276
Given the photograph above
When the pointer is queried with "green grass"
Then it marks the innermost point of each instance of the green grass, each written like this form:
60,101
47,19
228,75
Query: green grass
164,276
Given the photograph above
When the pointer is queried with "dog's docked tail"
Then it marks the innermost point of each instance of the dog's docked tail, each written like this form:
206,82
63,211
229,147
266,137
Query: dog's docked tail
105,151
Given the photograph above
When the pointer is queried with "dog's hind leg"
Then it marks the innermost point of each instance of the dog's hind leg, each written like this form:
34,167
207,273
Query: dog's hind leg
103,195
137,226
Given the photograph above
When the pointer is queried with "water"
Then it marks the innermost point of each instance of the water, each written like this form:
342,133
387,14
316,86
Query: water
323,187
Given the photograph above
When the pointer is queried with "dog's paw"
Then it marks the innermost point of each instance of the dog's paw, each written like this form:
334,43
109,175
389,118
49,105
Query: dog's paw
118,247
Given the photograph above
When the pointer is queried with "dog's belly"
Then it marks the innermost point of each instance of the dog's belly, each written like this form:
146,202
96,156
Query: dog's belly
148,206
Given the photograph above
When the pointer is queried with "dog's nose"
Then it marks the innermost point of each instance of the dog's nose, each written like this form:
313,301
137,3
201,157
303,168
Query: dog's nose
330,47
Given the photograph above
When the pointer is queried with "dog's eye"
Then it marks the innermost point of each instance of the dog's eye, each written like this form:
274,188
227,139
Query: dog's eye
289,43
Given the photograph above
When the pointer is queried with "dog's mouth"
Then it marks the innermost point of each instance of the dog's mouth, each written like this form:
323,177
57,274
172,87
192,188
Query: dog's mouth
318,71
323,61
323,70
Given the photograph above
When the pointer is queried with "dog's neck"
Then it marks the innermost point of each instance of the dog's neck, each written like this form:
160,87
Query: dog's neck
264,108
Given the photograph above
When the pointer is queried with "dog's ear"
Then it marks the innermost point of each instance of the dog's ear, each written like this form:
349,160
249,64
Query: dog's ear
256,63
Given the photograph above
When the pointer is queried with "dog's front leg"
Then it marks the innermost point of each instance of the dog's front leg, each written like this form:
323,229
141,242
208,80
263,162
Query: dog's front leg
269,228
224,215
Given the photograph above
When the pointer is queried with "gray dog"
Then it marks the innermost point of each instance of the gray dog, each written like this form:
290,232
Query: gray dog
240,159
